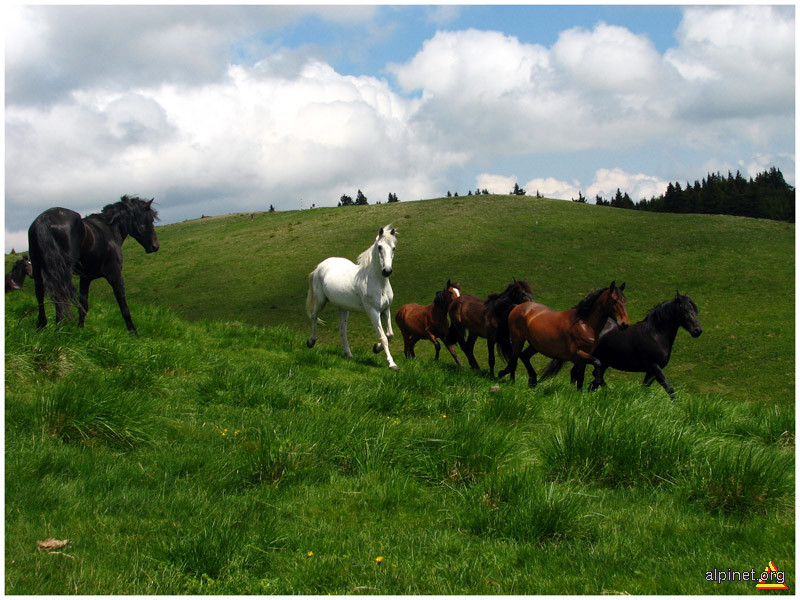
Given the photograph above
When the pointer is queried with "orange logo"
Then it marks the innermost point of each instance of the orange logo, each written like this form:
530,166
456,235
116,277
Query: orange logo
772,579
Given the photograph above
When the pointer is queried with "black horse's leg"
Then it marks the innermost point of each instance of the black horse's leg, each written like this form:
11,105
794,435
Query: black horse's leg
490,347
599,377
577,374
118,285
525,357
583,357
38,285
83,306
659,376
467,348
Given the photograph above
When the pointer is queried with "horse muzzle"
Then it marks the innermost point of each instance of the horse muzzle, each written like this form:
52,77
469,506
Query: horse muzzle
153,248
622,324
696,332
386,272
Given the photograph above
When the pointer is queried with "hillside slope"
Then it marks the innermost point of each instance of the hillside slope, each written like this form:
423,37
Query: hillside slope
739,271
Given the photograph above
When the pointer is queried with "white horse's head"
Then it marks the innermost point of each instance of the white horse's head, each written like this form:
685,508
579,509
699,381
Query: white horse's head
383,249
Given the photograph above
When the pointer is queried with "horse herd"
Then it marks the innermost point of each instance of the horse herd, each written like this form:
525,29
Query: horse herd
594,332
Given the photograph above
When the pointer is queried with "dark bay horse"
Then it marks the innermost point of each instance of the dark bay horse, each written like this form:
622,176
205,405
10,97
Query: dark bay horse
417,322
62,243
16,276
481,318
568,335
644,347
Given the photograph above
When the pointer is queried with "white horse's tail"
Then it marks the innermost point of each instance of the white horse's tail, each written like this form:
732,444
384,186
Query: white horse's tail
311,299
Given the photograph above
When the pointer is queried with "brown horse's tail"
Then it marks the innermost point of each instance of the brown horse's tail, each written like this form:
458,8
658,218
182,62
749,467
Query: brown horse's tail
552,368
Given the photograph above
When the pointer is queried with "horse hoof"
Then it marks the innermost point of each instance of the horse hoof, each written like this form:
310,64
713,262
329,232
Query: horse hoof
394,367
377,348
310,343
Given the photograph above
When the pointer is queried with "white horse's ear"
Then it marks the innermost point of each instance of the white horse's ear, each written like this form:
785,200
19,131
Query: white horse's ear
380,233
393,231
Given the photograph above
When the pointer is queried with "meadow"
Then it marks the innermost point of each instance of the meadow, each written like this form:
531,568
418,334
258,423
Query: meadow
217,454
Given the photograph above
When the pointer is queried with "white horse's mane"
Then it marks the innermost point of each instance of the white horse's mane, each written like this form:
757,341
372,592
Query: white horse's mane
365,258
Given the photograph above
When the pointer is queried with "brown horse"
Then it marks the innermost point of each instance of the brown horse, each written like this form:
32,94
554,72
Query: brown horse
16,277
417,322
569,335
481,318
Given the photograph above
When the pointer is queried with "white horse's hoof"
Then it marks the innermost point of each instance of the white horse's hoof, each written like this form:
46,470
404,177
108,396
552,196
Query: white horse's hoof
377,348
394,367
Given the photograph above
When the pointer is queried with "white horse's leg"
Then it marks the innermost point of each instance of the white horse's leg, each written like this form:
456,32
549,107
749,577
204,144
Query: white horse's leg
387,324
343,314
375,317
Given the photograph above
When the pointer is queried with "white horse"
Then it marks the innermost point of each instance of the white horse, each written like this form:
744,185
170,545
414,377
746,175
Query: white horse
362,287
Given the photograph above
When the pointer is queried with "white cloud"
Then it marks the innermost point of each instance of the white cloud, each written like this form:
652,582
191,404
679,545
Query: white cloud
550,187
638,186
735,61
496,184
253,139
609,59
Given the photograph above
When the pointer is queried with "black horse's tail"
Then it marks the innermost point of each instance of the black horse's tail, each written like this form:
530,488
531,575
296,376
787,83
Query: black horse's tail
552,368
453,335
52,266
503,334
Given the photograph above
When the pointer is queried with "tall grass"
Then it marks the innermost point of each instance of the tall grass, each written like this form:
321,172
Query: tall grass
519,505
95,410
617,445
739,477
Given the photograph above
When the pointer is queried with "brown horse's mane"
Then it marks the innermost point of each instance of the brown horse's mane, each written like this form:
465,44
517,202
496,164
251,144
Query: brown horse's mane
584,308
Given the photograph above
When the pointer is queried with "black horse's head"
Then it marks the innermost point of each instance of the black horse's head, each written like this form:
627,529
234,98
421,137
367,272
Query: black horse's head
687,311
137,217
519,291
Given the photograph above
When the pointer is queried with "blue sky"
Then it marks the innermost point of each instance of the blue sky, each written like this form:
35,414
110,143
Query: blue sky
216,109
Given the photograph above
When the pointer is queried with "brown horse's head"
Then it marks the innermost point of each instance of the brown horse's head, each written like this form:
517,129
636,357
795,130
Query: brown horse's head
450,292
614,304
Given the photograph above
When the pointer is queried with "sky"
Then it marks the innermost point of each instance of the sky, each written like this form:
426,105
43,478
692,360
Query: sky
219,109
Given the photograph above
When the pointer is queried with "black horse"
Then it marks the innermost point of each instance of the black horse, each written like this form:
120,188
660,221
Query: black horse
644,347
16,276
61,243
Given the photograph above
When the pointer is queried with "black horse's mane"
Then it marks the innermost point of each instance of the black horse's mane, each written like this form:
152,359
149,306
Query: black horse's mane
127,209
502,303
439,301
667,312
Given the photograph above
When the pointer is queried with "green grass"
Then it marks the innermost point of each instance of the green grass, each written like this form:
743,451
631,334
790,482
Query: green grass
216,454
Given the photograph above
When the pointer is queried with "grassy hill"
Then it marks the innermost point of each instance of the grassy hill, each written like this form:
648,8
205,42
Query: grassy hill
217,454
739,271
